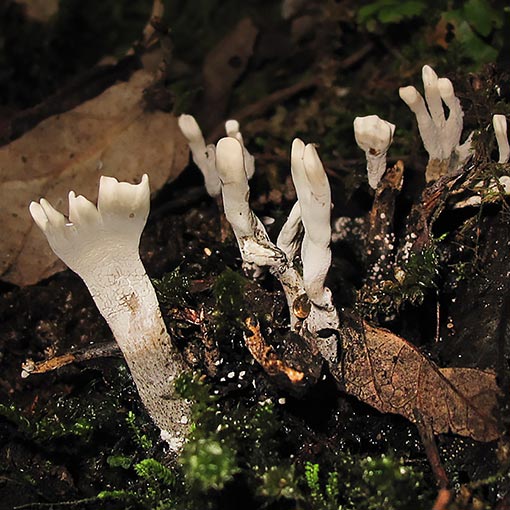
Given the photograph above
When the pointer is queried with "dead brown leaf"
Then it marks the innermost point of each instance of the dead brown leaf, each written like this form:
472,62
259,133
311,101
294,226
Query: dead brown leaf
223,66
108,135
387,372
40,10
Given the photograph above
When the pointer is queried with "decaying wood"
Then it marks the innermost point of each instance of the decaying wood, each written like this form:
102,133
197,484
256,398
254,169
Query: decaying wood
381,240
300,367
423,214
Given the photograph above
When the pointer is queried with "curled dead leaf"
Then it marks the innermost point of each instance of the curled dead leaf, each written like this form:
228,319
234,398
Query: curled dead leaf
390,374
108,135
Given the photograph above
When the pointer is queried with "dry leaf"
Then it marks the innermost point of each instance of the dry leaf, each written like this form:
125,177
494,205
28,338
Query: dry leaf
108,135
390,374
223,66
40,10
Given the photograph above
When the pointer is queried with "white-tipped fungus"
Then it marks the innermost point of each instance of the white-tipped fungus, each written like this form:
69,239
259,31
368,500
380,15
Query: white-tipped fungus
500,129
101,246
312,211
204,155
374,135
441,136
256,248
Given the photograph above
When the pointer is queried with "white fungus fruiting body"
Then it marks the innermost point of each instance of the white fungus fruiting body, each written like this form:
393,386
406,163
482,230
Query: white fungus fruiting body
500,129
374,135
101,246
256,248
204,155
440,136
311,213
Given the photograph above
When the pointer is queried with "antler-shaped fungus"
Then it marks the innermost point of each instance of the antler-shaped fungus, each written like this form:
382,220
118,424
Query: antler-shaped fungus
101,246
441,136
204,155
312,211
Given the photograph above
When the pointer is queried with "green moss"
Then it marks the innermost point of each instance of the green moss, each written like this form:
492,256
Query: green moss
228,292
141,439
367,483
173,289
46,429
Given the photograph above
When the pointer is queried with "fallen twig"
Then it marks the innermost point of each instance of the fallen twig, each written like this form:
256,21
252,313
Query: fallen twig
432,452
103,350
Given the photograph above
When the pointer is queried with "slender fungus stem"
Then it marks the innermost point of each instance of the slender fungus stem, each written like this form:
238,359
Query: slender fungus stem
101,246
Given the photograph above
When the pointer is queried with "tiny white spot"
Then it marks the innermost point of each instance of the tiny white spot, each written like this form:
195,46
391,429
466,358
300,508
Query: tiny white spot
231,375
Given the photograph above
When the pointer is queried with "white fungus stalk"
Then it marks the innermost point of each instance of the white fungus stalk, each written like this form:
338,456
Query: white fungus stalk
256,248
500,129
440,135
314,198
204,155
374,135
101,246
312,211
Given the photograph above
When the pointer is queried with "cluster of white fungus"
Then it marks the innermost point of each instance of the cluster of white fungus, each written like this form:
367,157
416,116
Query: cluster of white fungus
307,231
440,135
101,244
204,156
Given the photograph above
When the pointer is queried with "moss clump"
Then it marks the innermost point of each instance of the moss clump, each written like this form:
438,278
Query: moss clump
368,483
173,290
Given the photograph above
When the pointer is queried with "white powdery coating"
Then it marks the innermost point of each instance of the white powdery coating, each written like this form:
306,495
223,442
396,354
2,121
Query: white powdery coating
374,135
101,246
440,136
314,196
313,210
256,248
289,237
500,129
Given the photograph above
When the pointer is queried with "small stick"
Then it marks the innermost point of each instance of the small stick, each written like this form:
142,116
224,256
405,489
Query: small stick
443,499
278,96
429,443
103,350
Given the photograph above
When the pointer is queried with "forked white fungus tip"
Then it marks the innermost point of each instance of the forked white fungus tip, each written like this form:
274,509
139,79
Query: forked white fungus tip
445,87
190,128
429,76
